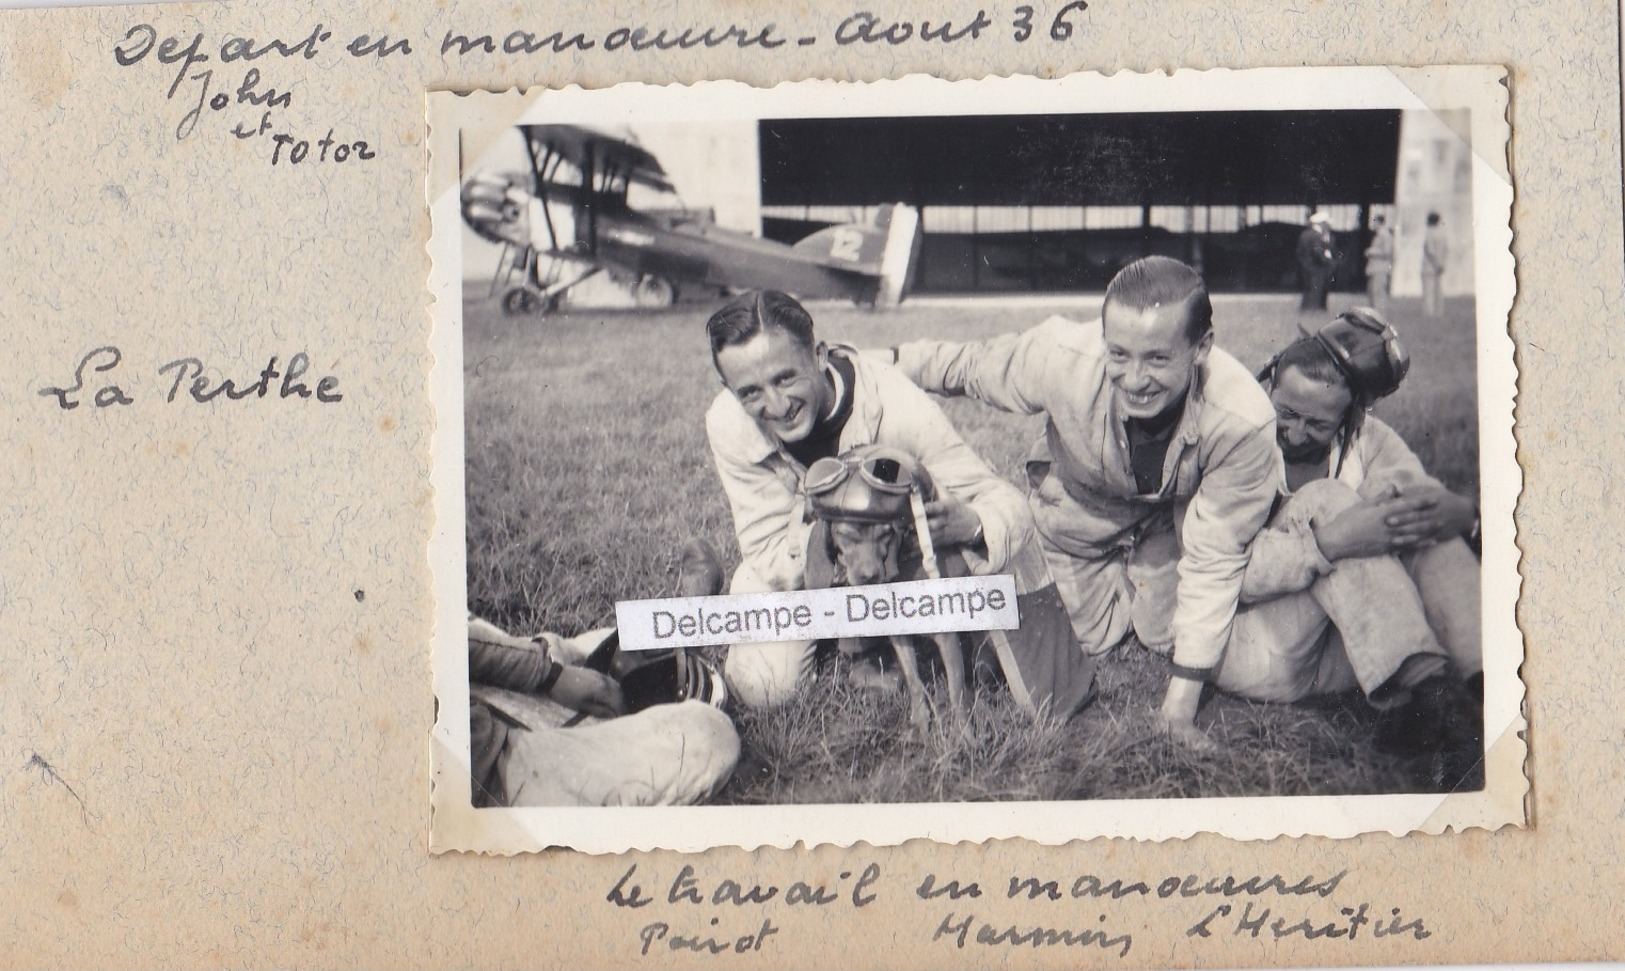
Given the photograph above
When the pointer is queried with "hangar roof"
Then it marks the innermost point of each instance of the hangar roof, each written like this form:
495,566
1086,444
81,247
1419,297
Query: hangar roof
1184,158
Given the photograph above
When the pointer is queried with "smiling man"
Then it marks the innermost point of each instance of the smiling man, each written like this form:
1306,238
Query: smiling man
1364,577
790,400
1156,469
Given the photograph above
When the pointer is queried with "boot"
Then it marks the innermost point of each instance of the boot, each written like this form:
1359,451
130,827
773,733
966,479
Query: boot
1459,765
867,673
1416,727
1440,734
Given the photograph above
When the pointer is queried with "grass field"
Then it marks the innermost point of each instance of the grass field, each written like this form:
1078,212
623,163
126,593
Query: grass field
587,468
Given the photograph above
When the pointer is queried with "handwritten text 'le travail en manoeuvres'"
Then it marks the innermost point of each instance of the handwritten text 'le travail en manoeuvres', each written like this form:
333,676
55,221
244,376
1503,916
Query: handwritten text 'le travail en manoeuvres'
691,912
245,86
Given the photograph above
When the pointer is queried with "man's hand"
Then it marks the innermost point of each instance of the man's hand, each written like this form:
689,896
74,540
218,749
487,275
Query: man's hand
952,522
587,691
1428,515
1360,530
1177,717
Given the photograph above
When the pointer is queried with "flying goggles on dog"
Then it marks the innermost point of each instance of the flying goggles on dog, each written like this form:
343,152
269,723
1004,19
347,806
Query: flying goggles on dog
868,484
873,484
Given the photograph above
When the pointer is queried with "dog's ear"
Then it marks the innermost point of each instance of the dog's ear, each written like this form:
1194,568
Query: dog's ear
838,577
910,558
823,566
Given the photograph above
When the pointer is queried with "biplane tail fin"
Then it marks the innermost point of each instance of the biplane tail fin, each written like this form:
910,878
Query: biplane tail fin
901,255
886,248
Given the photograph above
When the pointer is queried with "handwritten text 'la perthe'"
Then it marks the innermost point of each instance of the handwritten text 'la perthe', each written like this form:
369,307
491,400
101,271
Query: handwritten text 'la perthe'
274,382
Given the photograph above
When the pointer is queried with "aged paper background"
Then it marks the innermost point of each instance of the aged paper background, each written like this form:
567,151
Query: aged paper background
214,707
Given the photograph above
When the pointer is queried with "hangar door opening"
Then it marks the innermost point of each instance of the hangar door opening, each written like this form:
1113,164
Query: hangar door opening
1048,203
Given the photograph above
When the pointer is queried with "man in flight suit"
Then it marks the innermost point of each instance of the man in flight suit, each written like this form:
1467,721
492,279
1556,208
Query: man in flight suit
1363,577
1156,469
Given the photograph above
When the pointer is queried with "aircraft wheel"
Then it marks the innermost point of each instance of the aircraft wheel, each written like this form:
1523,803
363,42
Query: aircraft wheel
653,292
521,301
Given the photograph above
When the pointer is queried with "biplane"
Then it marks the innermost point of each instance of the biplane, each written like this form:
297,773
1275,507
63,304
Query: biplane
568,219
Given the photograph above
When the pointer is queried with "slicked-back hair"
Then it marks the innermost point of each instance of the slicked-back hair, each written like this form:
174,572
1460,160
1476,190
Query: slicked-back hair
742,318
1162,281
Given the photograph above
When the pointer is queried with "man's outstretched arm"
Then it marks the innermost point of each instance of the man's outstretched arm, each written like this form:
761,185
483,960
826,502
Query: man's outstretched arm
1010,372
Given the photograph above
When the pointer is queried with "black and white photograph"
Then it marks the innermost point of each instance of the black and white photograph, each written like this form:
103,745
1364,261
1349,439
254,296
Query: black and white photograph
1213,366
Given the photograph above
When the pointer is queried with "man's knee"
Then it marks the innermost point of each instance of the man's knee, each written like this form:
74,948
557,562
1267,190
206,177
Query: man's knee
767,675
745,580
709,738
764,675
1320,499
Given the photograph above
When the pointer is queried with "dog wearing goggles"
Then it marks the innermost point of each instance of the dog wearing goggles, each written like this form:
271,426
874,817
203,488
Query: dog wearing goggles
870,528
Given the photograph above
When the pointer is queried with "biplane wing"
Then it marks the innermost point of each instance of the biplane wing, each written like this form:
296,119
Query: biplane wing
592,151
573,221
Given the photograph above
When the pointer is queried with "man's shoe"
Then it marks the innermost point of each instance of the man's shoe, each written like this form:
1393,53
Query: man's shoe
1440,732
1460,764
1417,727
699,572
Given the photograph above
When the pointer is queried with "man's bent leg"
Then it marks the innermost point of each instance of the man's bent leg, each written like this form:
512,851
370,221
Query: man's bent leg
766,675
1153,575
1374,606
1097,595
1294,646
1283,650
1447,577
667,755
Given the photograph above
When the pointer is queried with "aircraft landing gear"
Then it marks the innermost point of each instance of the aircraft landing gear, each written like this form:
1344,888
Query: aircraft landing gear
653,293
523,301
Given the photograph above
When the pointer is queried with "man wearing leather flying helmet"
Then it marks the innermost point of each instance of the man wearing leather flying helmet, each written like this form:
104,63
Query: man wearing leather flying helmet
790,400
1363,576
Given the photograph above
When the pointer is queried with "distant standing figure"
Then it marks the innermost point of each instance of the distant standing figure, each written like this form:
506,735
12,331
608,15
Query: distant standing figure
1379,263
1316,256
1435,253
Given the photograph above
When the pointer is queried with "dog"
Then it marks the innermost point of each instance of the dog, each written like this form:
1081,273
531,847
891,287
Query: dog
866,534
861,551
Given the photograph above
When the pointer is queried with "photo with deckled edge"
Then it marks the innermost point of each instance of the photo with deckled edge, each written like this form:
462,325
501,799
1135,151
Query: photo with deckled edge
762,173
